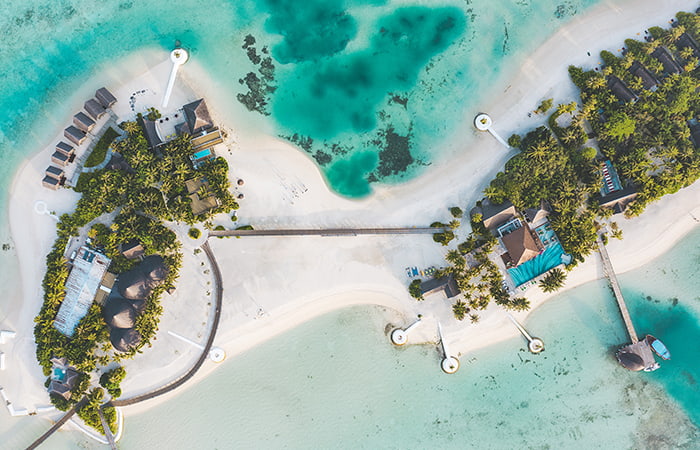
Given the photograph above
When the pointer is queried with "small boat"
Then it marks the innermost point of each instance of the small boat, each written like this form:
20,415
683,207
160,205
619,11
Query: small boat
658,347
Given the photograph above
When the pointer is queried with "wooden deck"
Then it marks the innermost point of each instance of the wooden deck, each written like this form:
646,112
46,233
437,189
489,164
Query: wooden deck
610,273
327,232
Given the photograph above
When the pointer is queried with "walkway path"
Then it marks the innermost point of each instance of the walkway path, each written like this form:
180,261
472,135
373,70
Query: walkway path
327,231
108,432
610,273
218,283
58,424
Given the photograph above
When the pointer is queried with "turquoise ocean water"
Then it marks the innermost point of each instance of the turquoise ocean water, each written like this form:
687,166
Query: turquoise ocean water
331,56
336,382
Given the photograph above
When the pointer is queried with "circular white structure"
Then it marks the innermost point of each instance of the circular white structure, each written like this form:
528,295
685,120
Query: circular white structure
179,56
217,354
450,364
536,345
399,336
483,122
40,207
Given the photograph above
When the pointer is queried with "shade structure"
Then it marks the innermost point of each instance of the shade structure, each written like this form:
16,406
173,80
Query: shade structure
124,340
119,313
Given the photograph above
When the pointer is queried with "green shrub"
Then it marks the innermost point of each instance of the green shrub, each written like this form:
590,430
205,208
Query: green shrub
194,233
100,150
414,289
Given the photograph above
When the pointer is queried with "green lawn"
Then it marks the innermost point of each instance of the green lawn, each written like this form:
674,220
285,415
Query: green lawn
100,150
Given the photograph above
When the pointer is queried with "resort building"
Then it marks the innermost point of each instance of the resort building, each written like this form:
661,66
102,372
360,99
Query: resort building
105,288
520,244
446,284
132,249
649,81
537,216
105,97
686,41
94,109
197,118
202,198
151,133
75,135
82,121
620,90
495,215
89,267
53,177
612,194
66,149
63,378
666,59
60,158
204,136
129,300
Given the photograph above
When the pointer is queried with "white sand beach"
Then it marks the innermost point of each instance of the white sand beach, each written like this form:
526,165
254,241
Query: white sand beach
274,284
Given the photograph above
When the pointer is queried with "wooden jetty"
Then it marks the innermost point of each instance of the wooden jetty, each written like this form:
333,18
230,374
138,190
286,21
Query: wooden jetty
638,355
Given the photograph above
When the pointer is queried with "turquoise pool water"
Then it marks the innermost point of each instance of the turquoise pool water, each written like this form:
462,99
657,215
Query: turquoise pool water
547,260
201,154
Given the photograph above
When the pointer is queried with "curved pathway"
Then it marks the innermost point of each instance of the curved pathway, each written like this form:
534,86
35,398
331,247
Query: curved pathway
218,282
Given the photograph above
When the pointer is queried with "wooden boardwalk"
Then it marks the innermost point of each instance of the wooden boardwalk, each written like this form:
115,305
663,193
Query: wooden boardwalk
58,424
327,232
612,278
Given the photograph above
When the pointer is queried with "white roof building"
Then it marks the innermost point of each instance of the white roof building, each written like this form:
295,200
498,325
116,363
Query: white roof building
89,267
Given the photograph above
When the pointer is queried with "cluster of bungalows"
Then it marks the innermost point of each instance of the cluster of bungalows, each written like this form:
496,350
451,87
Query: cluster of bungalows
76,134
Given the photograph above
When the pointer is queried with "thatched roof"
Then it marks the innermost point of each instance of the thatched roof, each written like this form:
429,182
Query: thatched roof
666,60
521,245
65,148
139,305
132,249
151,134
448,284
649,81
620,89
496,215
75,135
119,313
631,361
153,267
124,340
82,121
94,109
117,162
133,285
105,97
618,200
685,40
197,115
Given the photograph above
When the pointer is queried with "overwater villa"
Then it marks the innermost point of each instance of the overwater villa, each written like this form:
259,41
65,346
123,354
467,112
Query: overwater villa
649,81
666,59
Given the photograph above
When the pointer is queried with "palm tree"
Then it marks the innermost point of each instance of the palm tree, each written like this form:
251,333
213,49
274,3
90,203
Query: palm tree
460,309
553,281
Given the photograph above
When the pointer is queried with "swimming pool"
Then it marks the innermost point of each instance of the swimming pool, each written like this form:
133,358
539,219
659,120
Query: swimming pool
550,258
201,154
58,374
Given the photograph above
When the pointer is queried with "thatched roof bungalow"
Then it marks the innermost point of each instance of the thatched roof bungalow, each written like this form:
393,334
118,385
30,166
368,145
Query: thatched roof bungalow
198,118
686,41
618,200
520,245
620,90
123,339
132,249
666,59
105,97
94,109
119,313
649,81
75,135
133,285
82,121
496,215
447,284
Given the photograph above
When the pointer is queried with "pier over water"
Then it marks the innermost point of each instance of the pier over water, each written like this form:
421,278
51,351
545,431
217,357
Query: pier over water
612,278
